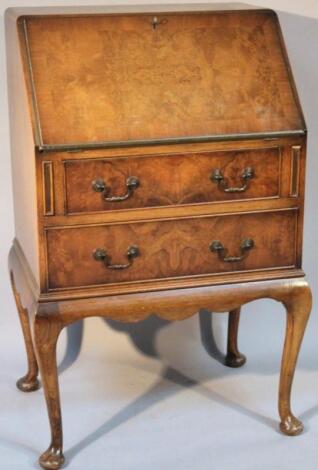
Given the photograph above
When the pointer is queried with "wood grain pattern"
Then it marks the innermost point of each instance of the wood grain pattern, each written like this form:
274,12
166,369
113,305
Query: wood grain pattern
114,78
170,248
170,180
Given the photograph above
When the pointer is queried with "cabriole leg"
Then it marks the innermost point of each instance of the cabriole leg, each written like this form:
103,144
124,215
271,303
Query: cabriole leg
233,357
46,332
298,308
29,382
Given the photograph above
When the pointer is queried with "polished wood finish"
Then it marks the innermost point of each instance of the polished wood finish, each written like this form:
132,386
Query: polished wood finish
170,248
46,333
182,97
298,307
29,382
162,93
171,180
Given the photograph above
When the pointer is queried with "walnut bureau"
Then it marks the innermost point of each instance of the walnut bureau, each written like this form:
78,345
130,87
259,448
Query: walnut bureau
158,166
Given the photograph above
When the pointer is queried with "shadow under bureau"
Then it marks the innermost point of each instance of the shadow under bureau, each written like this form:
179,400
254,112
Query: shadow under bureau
158,166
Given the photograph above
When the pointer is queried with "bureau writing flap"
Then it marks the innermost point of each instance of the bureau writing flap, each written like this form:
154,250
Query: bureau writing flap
124,78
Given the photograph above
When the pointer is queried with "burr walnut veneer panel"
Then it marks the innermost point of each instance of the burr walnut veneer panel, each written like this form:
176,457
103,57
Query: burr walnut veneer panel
120,77
170,249
172,179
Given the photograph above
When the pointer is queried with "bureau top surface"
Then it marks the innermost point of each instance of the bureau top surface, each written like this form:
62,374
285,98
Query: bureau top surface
123,78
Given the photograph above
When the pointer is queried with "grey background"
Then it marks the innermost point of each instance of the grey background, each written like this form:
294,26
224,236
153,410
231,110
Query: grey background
155,394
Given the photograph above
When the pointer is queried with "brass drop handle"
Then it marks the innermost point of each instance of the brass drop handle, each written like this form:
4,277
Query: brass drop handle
217,247
218,177
101,255
99,186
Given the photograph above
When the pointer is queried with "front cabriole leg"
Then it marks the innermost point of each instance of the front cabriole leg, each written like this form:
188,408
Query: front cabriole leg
298,308
46,332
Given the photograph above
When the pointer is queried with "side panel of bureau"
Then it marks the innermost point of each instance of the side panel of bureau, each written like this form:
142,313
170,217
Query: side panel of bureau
22,152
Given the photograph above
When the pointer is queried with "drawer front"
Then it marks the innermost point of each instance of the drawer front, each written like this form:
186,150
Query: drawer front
95,255
150,181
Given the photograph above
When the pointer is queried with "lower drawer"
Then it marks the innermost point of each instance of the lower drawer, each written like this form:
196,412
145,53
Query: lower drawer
139,251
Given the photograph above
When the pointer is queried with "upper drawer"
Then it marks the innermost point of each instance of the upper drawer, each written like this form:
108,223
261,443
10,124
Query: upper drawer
165,180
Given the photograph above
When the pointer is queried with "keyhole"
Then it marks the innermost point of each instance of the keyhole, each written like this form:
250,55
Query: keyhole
155,22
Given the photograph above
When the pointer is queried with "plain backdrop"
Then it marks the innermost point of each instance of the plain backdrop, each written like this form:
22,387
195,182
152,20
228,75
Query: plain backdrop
155,395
